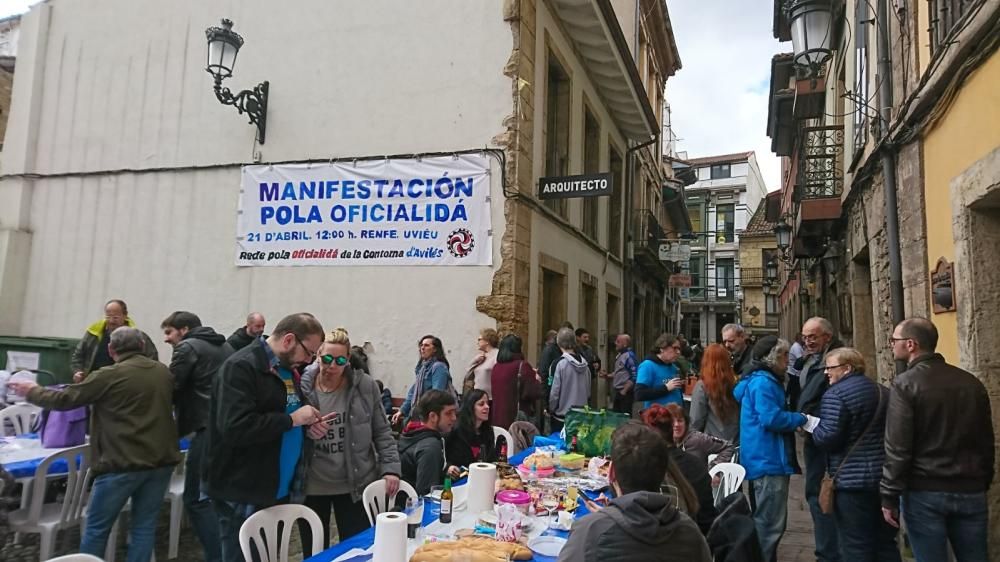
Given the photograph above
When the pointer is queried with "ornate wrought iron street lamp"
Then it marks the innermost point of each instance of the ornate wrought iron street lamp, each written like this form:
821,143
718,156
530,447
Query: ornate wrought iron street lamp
223,46
783,234
771,270
810,21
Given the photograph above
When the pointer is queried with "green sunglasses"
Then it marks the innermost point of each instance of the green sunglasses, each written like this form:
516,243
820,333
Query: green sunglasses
330,359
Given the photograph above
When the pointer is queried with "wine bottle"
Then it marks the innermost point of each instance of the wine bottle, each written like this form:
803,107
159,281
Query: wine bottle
446,500
572,445
503,453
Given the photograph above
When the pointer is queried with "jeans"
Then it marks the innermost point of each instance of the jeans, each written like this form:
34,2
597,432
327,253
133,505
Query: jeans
146,489
350,516
623,403
199,506
933,519
770,513
231,517
864,535
824,526
555,424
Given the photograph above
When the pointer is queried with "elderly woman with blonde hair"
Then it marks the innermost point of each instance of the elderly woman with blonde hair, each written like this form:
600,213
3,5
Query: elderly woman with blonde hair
851,430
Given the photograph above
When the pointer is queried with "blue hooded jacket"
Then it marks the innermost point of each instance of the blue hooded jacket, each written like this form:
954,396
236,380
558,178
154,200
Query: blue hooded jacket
763,421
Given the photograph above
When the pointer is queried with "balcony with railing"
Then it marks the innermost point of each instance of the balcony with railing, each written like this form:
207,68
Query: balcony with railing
752,277
647,234
819,179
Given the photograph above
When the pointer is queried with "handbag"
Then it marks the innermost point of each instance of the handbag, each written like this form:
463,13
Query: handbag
63,428
593,429
826,487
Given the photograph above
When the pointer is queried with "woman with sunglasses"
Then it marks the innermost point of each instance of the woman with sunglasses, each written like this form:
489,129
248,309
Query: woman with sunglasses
353,445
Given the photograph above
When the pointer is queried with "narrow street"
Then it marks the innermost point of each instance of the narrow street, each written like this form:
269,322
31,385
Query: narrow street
797,544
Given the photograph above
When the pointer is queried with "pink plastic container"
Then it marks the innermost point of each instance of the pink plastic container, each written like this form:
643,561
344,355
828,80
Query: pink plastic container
517,498
539,473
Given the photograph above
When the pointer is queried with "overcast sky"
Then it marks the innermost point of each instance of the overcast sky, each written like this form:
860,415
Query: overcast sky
718,99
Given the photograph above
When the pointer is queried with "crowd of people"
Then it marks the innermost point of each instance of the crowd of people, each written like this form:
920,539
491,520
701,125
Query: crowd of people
295,416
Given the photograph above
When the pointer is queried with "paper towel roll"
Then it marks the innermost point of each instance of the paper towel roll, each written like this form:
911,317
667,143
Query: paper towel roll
482,482
390,537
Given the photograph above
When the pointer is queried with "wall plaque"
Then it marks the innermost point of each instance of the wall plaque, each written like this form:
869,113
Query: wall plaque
943,286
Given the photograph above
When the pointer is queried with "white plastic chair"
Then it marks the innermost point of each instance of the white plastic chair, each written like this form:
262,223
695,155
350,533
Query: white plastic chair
21,417
711,458
511,448
175,495
261,529
377,501
47,519
78,557
731,480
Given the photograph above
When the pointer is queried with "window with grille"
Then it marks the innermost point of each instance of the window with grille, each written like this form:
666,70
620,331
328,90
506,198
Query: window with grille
944,18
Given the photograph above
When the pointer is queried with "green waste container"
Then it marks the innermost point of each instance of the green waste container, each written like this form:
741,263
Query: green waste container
54,354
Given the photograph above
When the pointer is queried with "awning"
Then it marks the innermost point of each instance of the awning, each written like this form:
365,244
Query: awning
593,28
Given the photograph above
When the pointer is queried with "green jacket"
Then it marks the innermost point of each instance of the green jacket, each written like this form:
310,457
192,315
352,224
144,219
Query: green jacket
132,425
86,350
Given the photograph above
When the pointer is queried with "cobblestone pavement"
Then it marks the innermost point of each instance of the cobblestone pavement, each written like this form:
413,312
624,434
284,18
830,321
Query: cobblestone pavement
797,545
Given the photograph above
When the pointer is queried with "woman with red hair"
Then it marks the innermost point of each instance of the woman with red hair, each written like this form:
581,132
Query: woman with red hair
686,472
714,410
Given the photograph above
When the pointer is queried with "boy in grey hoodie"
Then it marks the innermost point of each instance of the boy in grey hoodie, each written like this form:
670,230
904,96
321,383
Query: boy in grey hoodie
640,524
571,383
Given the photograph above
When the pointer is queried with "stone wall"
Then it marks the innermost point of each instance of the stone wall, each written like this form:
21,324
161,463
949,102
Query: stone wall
912,229
508,301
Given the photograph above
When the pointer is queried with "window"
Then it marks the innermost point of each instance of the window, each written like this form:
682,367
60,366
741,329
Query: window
553,299
591,165
725,278
696,267
862,21
696,212
725,225
944,14
615,204
557,104
720,171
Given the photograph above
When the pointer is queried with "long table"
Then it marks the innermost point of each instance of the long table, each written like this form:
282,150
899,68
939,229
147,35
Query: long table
462,520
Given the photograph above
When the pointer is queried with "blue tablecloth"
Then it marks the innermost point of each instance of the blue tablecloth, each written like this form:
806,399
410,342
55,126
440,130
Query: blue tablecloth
27,468
365,538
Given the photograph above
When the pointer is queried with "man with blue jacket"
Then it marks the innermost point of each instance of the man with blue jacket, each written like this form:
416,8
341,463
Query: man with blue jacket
763,453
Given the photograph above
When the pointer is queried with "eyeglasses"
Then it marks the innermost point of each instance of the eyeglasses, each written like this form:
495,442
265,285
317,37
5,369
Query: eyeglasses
328,359
895,339
830,367
810,337
311,354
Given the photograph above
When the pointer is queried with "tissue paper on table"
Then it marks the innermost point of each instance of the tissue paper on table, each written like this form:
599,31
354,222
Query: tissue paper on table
594,467
509,522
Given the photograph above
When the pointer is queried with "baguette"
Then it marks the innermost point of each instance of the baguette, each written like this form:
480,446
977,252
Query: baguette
493,550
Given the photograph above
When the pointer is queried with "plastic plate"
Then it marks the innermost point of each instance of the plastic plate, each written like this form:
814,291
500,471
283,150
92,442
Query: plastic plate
547,546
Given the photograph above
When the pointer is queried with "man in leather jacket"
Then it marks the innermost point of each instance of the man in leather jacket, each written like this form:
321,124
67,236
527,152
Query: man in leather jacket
939,450
198,353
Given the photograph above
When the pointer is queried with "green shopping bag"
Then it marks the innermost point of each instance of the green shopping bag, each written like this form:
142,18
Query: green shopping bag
593,429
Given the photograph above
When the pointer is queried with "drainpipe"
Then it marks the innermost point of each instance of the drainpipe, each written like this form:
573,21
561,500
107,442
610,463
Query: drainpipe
630,245
889,165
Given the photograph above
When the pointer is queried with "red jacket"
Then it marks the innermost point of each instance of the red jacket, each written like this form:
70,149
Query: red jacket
504,385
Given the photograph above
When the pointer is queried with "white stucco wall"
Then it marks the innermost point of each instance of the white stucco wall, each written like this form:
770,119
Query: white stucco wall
123,87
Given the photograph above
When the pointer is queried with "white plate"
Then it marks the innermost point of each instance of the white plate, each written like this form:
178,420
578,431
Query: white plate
547,546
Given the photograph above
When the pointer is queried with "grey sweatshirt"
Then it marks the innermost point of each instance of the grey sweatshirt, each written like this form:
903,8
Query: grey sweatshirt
570,385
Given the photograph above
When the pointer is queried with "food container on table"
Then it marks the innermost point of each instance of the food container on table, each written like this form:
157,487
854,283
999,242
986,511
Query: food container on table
572,461
520,500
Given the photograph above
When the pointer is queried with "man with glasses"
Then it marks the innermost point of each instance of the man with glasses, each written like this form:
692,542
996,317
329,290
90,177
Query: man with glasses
939,450
92,352
818,340
255,432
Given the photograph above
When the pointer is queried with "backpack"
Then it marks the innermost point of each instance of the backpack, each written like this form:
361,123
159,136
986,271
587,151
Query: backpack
62,428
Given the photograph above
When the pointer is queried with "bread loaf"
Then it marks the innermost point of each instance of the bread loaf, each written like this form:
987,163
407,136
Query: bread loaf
478,549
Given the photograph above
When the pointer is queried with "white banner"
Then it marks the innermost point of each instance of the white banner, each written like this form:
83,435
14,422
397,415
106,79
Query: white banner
433,211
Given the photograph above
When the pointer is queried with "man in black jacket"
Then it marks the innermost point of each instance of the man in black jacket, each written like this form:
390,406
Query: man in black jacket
640,523
817,335
939,450
734,337
244,335
421,447
198,353
255,436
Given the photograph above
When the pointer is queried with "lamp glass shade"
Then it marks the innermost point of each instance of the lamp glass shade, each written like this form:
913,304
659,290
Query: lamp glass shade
223,46
810,22
771,271
783,233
